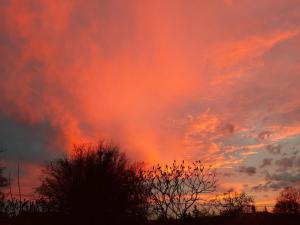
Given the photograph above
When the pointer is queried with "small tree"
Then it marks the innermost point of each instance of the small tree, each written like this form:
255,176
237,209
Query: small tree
3,183
176,188
288,201
3,179
233,204
97,185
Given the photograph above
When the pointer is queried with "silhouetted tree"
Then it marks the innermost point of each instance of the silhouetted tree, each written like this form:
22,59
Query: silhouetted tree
3,183
96,184
288,201
3,179
233,204
176,188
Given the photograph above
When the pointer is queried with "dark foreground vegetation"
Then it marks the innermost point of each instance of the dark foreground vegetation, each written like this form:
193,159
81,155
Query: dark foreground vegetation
247,219
252,219
99,185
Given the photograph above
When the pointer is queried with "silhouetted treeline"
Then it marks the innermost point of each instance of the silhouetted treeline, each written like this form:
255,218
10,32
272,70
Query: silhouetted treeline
99,185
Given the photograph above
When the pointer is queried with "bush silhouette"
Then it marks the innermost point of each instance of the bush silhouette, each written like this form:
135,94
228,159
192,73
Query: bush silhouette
97,185
235,204
288,201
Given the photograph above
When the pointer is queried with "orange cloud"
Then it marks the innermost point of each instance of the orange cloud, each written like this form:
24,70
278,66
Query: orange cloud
143,74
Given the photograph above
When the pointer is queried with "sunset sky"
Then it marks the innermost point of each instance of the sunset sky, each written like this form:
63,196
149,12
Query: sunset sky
215,80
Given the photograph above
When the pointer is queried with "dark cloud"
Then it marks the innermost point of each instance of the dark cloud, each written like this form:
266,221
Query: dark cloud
27,143
228,174
278,181
274,149
288,162
225,174
247,170
228,128
260,187
264,135
266,162
4,3
270,185
285,177
296,152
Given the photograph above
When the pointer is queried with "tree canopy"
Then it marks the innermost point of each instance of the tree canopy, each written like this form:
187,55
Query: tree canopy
96,182
288,201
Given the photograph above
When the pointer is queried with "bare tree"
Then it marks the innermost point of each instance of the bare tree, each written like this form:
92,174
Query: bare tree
232,204
288,201
177,187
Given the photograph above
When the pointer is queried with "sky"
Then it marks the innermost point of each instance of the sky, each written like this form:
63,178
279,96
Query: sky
212,80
